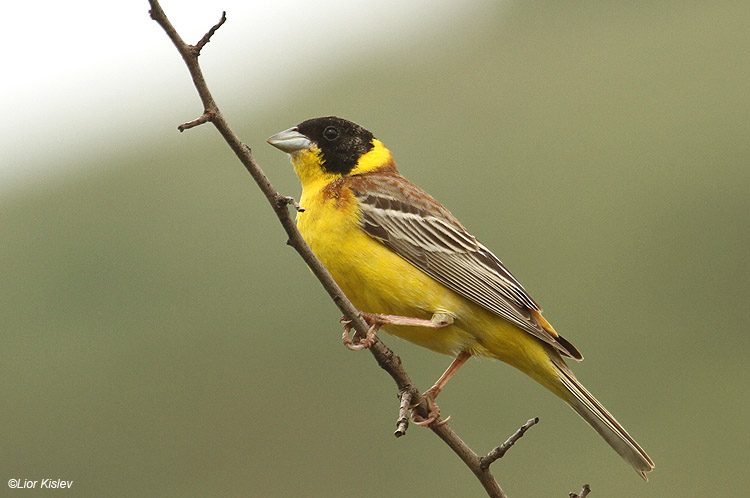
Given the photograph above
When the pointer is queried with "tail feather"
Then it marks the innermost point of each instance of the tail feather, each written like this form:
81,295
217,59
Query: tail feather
587,406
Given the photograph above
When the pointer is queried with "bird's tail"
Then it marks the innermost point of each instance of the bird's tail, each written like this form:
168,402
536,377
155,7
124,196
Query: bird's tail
587,406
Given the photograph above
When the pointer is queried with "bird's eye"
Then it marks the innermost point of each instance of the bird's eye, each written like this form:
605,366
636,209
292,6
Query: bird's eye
331,133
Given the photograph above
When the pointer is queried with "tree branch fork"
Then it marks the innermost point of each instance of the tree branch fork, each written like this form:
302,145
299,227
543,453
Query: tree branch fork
409,396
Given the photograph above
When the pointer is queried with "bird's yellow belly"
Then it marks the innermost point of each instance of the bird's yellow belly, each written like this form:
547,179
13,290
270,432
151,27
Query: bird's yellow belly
377,280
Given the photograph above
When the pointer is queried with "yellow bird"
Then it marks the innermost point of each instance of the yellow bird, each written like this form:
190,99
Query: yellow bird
408,264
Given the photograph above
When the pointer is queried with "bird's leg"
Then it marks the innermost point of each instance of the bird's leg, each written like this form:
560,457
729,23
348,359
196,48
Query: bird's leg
432,392
449,372
377,320
438,321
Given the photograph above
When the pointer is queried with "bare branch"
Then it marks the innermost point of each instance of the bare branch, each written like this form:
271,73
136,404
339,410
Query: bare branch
410,396
471,459
501,450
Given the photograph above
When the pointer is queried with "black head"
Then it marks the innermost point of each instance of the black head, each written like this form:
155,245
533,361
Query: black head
341,142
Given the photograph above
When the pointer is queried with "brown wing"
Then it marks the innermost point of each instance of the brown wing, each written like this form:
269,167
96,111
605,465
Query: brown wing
423,232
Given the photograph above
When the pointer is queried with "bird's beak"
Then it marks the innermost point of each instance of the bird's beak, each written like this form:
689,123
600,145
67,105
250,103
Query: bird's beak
290,141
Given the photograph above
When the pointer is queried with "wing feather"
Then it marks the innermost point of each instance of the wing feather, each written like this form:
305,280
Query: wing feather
419,229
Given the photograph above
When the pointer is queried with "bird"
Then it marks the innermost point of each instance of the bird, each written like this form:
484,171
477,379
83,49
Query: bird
412,268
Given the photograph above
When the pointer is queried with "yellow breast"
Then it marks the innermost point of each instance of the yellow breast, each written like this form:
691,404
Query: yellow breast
374,278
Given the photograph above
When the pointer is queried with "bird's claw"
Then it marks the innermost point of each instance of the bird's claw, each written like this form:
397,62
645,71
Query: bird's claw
360,343
433,418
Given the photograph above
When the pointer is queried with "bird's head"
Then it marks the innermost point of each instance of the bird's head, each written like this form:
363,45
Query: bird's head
328,148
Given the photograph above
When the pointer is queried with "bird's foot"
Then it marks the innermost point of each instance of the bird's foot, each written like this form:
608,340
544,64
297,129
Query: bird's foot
433,418
356,342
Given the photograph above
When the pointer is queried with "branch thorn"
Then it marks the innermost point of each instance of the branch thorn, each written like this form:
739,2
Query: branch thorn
583,494
501,450
204,118
283,200
403,413
207,37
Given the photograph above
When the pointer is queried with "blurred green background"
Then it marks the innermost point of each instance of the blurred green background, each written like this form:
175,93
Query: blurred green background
160,339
